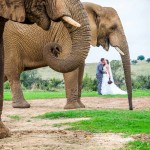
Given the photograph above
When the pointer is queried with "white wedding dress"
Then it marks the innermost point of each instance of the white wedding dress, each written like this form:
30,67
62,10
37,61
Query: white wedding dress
110,88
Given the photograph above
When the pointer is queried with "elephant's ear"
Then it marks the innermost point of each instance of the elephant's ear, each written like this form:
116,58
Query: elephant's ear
93,11
13,10
57,9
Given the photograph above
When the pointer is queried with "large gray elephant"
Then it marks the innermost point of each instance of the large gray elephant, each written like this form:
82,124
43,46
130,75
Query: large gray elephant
41,12
107,31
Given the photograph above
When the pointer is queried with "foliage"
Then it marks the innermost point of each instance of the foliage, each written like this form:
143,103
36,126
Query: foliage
120,121
89,84
138,145
141,82
148,60
141,57
30,79
118,73
134,62
6,85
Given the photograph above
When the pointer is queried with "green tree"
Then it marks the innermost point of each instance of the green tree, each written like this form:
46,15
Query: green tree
30,79
134,62
148,60
141,57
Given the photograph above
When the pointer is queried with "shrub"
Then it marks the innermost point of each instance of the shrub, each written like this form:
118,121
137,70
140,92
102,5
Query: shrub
148,60
134,62
6,85
141,82
141,57
89,84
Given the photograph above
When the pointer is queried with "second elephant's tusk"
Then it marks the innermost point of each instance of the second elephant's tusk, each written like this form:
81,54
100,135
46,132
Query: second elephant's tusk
71,21
119,50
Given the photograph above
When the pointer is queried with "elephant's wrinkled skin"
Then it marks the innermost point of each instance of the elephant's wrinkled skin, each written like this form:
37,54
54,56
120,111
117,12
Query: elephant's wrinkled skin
40,12
24,50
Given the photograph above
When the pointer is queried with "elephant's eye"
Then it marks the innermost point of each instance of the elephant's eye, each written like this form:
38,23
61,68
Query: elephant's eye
113,28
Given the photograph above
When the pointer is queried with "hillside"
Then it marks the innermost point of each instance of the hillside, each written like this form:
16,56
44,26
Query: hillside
141,68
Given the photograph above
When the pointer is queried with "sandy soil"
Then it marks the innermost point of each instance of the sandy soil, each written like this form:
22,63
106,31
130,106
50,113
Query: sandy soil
36,134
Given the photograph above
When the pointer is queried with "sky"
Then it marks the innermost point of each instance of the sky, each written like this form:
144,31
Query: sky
135,17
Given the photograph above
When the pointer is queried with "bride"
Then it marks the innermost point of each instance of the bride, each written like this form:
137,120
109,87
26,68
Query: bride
109,88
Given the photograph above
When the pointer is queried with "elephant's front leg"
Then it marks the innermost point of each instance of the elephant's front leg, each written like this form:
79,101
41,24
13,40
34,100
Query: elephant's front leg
4,132
71,86
18,100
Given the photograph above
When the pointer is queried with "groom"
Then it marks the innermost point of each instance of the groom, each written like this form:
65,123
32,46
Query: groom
99,74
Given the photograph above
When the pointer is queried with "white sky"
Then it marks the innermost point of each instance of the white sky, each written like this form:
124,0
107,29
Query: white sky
135,17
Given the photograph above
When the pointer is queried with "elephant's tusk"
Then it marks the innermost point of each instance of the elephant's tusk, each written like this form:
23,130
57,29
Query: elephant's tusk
71,21
119,50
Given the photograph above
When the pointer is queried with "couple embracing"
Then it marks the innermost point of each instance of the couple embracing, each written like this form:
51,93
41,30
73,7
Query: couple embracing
105,79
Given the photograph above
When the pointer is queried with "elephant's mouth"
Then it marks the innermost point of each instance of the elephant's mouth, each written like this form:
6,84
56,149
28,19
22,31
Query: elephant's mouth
105,43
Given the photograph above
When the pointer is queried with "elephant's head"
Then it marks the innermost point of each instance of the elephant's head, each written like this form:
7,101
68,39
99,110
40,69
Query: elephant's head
36,11
79,37
107,30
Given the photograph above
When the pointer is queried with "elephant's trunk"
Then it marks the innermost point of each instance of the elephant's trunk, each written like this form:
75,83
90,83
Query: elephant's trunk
127,72
80,41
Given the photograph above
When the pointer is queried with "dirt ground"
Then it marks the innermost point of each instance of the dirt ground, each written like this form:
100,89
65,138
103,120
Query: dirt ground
28,133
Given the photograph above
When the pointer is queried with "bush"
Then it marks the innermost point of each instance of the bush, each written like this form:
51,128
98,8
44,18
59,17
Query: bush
148,60
134,62
118,73
6,85
141,82
89,84
141,57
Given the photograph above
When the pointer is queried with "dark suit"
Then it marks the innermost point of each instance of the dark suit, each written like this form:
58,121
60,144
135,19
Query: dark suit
99,76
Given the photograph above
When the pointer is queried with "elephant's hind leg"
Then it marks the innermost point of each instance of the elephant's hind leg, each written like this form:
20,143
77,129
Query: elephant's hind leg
18,100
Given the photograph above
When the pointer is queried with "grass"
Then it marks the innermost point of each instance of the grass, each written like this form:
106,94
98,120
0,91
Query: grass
16,117
138,145
117,121
30,95
141,68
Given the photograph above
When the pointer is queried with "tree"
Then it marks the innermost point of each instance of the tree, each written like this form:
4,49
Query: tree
141,57
134,62
148,60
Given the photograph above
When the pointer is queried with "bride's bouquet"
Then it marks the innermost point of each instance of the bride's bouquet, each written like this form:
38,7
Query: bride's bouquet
110,82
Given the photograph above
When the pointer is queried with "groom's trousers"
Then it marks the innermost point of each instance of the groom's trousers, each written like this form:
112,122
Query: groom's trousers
99,80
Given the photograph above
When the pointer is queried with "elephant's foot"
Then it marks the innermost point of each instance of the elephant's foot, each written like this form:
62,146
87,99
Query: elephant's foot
20,104
81,104
72,105
4,132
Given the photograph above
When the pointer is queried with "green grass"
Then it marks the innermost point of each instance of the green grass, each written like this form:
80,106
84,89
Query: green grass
30,95
16,117
138,145
117,121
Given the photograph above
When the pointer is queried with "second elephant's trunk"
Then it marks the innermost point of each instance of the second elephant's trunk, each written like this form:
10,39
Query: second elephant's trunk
127,72
80,41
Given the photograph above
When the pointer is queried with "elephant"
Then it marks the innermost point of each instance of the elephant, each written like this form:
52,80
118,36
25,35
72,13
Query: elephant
41,12
106,30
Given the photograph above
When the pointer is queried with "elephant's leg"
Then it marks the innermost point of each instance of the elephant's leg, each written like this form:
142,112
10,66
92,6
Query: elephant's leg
80,78
18,100
71,86
4,132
